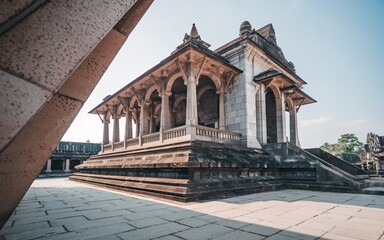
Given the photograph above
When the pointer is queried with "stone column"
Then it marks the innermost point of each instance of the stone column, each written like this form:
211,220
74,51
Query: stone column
143,117
106,128
49,166
165,117
280,119
67,164
221,109
138,124
128,124
116,128
151,117
191,82
293,131
261,115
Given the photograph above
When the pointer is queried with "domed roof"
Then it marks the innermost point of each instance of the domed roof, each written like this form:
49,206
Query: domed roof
245,28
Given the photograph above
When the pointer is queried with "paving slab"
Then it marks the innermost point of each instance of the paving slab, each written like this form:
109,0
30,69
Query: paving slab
61,209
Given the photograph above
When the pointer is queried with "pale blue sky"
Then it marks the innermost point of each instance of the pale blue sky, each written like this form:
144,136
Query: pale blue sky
337,47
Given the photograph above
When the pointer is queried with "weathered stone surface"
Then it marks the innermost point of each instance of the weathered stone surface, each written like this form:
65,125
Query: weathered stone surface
39,54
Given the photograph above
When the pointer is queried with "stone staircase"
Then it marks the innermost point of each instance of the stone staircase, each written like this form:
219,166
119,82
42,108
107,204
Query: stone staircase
330,173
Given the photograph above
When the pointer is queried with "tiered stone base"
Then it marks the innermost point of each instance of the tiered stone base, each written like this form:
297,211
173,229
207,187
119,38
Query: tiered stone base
187,171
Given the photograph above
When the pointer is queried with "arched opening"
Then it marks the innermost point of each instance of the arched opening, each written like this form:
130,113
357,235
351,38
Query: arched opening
208,103
270,105
178,102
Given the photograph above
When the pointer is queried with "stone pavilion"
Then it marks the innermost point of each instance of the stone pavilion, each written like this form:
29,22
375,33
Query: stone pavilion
204,123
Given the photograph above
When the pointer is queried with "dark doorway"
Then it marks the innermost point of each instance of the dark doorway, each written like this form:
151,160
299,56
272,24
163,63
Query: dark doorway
271,116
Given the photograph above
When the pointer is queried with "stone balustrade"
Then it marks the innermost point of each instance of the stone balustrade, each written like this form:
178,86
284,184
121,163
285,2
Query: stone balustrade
183,133
217,133
175,133
154,137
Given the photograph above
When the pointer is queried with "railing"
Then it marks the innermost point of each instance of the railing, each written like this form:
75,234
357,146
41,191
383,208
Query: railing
118,144
217,133
192,132
132,142
175,133
154,137
338,162
107,147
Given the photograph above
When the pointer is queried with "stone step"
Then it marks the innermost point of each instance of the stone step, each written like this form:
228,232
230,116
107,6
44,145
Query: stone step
374,190
374,182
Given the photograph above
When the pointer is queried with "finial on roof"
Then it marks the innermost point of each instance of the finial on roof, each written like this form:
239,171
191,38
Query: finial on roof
245,28
194,32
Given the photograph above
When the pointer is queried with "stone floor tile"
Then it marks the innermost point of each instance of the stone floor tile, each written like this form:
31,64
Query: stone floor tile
232,223
146,222
37,233
77,220
231,213
239,235
359,233
302,233
328,236
79,225
192,222
109,237
169,237
106,214
23,228
204,232
91,233
280,237
180,215
153,231
138,216
260,229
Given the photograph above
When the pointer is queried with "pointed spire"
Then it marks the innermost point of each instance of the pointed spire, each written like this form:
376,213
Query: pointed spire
194,32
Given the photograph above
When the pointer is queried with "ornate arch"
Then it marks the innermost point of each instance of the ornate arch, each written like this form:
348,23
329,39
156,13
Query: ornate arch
149,92
171,80
275,90
133,100
216,80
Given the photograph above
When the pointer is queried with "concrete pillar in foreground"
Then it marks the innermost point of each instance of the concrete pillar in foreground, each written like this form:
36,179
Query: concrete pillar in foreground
51,60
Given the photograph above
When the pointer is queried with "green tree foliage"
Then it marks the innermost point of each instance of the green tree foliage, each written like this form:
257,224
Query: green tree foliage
347,143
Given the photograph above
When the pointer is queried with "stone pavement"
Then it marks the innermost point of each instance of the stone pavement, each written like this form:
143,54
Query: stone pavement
62,209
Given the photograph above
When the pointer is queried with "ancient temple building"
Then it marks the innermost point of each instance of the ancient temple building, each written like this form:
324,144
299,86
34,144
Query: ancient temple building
203,122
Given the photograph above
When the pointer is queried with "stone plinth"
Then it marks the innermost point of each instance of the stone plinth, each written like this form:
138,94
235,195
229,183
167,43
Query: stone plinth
187,171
